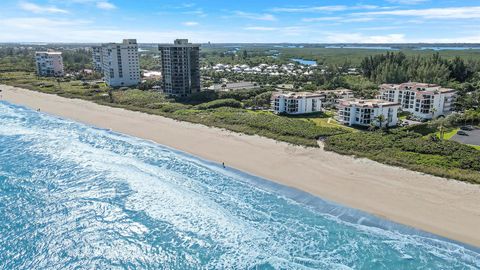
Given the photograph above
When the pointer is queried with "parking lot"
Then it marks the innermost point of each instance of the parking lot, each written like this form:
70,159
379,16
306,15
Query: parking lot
473,137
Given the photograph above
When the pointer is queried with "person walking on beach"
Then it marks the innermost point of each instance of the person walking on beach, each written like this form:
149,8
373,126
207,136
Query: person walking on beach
223,164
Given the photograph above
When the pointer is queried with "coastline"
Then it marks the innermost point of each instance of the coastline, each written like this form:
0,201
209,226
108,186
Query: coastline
444,207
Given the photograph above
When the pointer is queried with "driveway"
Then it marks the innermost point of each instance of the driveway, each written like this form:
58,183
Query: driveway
473,137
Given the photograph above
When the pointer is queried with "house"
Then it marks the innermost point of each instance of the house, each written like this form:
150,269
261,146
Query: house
234,86
424,101
361,112
296,102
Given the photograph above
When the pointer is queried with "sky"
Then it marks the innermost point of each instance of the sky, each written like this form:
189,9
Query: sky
247,21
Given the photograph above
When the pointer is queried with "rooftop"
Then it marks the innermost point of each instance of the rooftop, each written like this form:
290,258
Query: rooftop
297,94
424,87
368,103
51,53
179,43
336,91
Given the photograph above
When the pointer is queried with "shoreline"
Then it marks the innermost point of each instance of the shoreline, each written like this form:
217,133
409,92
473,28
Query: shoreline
444,207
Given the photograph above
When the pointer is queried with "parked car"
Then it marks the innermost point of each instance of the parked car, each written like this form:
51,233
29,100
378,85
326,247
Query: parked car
462,133
468,128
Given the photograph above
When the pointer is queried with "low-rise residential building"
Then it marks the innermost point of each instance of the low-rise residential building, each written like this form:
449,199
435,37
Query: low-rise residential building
331,98
296,102
120,63
49,64
234,86
361,112
152,75
97,58
424,101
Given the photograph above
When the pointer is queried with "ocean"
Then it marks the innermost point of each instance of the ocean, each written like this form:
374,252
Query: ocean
78,197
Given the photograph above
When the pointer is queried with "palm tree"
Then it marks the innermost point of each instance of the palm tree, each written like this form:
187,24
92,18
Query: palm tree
110,94
469,115
381,119
433,111
441,129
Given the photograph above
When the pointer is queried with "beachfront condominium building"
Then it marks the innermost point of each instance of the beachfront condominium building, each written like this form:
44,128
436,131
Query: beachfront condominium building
97,58
120,63
180,67
296,102
49,64
424,101
331,98
375,112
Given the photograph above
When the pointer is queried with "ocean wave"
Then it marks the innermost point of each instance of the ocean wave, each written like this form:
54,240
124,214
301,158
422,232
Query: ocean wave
74,196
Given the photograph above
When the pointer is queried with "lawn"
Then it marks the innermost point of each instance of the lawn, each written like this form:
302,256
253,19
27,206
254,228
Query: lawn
323,119
448,134
475,146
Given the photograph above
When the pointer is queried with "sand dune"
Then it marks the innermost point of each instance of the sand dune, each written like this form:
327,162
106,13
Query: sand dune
444,207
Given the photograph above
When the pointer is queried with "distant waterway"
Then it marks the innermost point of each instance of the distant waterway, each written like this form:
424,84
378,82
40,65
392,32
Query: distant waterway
434,48
304,61
361,47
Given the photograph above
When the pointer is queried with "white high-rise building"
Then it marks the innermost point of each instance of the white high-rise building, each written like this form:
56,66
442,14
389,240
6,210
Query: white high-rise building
367,112
49,64
120,63
296,103
97,58
425,101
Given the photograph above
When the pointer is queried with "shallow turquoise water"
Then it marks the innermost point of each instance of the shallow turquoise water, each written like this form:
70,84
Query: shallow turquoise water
76,197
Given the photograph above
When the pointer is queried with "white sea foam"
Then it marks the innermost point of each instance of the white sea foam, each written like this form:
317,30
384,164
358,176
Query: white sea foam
233,224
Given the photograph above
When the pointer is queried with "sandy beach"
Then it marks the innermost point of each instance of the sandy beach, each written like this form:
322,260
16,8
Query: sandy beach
445,207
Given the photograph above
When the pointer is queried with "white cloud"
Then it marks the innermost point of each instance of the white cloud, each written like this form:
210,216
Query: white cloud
27,30
190,23
311,9
432,13
22,23
361,38
41,9
321,19
255,16
407,2
362,19
339,19
379,28
336,8
197,12
105,5
260,28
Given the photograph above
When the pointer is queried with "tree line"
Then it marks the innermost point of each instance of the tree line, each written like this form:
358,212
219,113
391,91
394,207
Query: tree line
396,67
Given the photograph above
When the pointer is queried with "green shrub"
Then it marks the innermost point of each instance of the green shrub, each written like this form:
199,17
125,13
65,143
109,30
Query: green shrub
411,150
138,97
220,103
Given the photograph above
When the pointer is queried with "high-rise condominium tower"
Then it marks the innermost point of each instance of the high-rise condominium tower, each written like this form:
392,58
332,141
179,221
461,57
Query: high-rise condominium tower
120,63
180,67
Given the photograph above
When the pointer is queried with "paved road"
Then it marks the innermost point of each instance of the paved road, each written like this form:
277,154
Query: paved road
472,138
